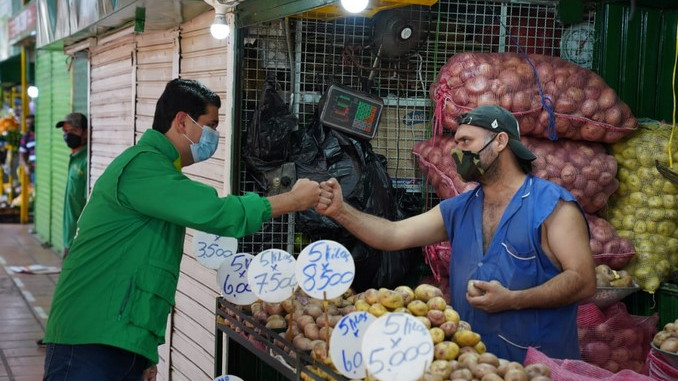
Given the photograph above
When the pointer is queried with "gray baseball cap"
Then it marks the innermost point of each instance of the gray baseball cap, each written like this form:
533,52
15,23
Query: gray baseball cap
498,119
75,119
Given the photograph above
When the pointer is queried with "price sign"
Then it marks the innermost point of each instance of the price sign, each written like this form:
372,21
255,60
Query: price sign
232,279
347,338
227,377
325,267
397,347
271,275
211,249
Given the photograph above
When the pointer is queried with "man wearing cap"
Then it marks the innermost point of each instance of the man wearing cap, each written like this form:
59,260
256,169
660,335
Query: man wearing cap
74,128
521,240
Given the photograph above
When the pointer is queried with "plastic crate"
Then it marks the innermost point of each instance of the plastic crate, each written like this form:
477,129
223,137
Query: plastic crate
667,303
664,302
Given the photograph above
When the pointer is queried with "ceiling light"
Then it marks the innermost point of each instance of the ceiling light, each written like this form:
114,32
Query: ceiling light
219,27
354,6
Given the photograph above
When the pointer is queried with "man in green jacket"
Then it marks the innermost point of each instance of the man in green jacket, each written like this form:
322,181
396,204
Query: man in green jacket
117,286
75,129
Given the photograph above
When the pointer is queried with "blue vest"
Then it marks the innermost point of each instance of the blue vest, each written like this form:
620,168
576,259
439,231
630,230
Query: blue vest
515,258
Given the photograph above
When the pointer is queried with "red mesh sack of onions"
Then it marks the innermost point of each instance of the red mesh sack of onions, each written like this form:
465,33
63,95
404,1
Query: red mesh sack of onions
613,339
584,106
583,168
607,247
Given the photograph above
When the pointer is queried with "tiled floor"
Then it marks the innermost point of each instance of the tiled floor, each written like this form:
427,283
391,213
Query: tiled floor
24,303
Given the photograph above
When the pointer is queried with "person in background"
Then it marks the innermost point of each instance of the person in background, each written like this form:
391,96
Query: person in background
75,130
521,242
117,286
27,149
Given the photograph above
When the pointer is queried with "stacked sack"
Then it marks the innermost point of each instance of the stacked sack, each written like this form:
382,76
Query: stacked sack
645,207
585,109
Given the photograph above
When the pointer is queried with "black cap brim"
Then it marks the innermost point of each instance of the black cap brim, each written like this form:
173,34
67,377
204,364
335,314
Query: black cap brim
520,150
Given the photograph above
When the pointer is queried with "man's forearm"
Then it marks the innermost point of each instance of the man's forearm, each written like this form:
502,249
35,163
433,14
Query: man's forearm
559,291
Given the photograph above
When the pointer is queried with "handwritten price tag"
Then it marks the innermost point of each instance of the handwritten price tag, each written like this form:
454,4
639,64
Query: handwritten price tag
232,279
397,347
271,275
211,249
347,339
325,267
227,377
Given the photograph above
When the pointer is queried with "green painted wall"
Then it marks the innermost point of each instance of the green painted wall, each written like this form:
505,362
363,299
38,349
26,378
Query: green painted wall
54,81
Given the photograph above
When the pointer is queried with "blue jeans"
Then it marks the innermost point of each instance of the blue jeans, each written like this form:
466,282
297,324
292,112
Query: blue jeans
92,362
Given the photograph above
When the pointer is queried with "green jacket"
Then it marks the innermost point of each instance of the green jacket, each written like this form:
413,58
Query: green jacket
76,194
118,282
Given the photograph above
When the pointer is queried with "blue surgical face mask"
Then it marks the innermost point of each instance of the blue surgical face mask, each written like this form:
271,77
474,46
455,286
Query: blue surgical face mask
207,146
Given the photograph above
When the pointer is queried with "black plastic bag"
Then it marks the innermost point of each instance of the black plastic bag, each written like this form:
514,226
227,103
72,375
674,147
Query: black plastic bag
270,136
326,153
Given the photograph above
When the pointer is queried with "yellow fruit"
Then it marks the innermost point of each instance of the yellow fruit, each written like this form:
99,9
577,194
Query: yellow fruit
480,347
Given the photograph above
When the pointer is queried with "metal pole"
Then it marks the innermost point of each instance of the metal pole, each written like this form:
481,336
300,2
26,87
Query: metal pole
23,216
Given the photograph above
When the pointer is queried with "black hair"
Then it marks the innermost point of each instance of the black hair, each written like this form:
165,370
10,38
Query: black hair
186,95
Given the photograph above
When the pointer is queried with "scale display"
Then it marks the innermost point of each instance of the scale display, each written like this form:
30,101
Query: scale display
349,111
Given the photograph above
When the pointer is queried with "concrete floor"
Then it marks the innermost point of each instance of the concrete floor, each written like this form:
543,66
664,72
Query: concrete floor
25,300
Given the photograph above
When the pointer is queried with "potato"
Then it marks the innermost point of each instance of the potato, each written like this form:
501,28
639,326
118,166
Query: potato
406,292
302,342
424,320
437,303
451,315
424,292
390,299
324,334
480,347
430,376
492,377
461,374
489,358
361,305
289,304
319,351
347,310
272,308
441,367
670,345
534,370
449,327
466,338
515,375
418,308
626,281
463,325
483,369
261,317
437,317
371,295
544,378
255,307
304,320
403,310
437,335
311,331
472,290
313,310
334,320
377,309
446,350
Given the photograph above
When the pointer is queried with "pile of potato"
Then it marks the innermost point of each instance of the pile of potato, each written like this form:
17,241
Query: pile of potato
606,277
485,367
667,338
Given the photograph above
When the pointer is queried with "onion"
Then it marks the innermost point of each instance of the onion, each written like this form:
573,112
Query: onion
506,101
521,101
568,174
510,79
613,115
477,85
460,97
596,352
589,107
565,105
545,72
607,98
592,132
487,98
592,92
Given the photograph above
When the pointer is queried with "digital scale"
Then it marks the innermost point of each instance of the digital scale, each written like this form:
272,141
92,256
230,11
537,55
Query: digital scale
350,111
